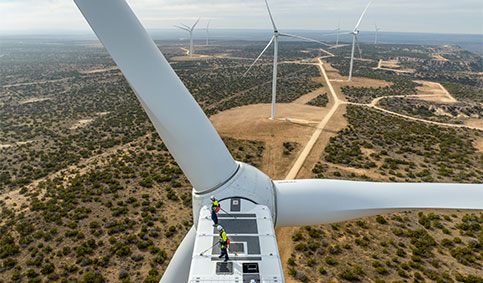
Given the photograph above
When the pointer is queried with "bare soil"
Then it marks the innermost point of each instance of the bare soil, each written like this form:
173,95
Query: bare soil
392,65
35,99
100,70
252,122
474,123
81,123
438,57
435,92
479,144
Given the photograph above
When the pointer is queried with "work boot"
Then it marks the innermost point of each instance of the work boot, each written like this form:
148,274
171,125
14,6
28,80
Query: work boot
226,259
220,256
214,225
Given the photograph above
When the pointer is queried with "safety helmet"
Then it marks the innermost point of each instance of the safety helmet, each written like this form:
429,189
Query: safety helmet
212,197
219,227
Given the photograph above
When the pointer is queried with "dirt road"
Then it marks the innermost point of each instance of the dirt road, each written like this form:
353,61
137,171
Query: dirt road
315,136
284,234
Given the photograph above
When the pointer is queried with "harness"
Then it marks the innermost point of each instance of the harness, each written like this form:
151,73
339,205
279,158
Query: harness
215,206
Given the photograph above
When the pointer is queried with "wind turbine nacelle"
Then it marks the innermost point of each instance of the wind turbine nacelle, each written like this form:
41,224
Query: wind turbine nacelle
248,182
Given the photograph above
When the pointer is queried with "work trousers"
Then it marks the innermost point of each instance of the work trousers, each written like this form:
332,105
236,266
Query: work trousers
224,253
214,217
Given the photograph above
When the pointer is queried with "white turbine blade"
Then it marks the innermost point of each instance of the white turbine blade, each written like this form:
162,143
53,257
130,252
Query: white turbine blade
335,33
178,269
179,120
358,46
317,201
263,51
208,24
271,18
183,28
193,27
362,15
186,26
303,38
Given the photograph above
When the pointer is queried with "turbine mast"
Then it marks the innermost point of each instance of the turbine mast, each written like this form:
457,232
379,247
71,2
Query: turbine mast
191,43
355,31
275,36
354,36
338,31
207,32
274,82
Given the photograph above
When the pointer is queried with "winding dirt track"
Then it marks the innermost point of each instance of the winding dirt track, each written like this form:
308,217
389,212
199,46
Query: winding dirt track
416,119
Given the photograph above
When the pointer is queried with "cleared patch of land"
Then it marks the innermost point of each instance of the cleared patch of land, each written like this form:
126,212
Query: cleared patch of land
100,70
251,122
392,65
35,99
438,57
432,91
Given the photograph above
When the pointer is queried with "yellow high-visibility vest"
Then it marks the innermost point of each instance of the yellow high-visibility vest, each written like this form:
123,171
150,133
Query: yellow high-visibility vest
223,238
214,205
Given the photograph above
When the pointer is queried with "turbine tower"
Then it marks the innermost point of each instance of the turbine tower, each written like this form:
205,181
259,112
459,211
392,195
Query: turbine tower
190,30
377,30
201,154
274,39
207,32
354,33
338,31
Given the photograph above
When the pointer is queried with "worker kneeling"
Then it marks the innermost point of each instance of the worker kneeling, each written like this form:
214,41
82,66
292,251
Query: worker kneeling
224,242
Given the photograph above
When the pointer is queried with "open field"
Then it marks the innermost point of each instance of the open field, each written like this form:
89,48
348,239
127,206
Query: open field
392,65
432,91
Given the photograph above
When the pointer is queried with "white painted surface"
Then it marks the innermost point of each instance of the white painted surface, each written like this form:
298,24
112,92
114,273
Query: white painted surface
248,182
184,128
203,269
317,201
180,264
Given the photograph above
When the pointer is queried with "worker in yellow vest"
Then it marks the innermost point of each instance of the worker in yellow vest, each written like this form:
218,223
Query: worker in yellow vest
215,207
224,241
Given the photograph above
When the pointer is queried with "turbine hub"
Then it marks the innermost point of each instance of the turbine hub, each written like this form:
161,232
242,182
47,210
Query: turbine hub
248,183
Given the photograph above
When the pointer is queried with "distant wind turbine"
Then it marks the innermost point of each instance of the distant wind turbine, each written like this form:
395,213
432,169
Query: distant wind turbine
207,32
377,30
355,32
338,31
190,30
274,39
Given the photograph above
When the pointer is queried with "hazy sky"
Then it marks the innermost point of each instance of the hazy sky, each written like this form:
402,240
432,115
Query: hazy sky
438,16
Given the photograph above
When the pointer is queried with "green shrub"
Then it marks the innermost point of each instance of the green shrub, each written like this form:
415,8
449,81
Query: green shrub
348,275
93,277
171,231
48,268
381,220
330,260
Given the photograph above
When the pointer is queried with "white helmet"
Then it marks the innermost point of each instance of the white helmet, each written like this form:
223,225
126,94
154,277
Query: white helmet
212,197
219,227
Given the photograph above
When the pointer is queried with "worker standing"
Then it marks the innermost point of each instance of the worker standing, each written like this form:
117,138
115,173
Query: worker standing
223,243
215,207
